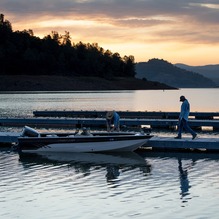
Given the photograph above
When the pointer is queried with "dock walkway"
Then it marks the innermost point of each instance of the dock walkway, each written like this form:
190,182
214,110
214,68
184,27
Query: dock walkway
124,114
101,122
184,143
9,137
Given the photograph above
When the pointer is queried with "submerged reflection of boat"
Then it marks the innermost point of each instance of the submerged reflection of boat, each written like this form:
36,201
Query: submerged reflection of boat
125,158
85,163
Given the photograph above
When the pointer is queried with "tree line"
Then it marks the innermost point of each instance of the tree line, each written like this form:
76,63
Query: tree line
23,53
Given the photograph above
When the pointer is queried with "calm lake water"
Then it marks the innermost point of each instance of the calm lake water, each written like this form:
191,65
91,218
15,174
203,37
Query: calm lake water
129,185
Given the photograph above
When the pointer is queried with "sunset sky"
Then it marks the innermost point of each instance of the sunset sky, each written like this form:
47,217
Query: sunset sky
179,31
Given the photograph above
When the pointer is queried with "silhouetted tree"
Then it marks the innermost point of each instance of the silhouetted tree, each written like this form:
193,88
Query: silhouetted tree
23,53
129,66
66,39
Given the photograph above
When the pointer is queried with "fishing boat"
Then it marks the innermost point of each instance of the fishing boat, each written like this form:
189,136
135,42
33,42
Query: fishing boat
32,141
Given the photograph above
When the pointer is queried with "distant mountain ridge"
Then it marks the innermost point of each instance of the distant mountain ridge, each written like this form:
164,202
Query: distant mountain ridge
165,72
208,71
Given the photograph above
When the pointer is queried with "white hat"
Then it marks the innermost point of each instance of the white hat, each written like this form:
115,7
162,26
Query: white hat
109,115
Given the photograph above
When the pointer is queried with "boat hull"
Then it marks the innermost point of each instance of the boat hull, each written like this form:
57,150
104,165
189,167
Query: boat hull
82,144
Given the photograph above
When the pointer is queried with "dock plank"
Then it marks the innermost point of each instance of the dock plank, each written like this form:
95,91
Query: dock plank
9,137
123,114
80,122
184,143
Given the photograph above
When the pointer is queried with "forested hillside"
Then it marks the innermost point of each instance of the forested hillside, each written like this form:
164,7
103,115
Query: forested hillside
208,71
23,53
164,72
54,63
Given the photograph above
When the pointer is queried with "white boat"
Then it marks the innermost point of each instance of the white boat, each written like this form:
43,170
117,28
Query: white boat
32,141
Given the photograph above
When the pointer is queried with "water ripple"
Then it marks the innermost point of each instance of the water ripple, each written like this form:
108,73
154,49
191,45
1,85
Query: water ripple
160,186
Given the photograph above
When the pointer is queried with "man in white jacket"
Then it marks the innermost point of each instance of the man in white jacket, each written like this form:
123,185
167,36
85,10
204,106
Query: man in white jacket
183,119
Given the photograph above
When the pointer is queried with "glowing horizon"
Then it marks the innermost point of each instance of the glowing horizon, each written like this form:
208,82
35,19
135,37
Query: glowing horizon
183,32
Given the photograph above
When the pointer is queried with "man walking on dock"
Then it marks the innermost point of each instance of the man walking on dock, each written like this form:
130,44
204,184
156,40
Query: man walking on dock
183,119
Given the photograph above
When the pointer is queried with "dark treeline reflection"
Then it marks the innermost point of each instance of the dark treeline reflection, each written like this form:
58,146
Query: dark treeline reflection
23,53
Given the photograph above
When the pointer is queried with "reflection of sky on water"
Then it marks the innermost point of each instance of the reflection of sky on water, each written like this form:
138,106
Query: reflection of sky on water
168,185
20,105
201,100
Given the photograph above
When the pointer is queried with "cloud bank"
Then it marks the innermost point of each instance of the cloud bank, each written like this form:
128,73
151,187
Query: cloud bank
168,23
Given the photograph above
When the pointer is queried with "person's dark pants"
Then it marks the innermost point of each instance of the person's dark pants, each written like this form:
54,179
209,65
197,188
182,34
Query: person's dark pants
184,124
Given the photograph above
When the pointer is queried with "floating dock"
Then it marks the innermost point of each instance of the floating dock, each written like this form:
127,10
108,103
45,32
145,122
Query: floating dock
125,114
128,118
79,119
101,122
169,143
154,119
9,137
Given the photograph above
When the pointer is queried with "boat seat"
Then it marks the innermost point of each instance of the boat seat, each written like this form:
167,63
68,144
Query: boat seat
29,132
53,135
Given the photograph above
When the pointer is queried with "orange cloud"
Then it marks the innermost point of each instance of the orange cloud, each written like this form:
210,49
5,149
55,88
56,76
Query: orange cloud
175,31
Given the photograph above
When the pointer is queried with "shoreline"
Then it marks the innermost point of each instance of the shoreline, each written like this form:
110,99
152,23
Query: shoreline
45,83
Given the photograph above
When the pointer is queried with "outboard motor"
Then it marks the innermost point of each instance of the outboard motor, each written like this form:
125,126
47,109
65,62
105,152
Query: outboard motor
29,132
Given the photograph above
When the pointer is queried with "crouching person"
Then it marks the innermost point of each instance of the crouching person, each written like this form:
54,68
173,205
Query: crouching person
112,118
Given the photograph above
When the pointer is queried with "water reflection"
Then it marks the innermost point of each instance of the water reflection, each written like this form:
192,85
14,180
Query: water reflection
85,162
184,181
194,156
186,163
19,104
104,183
112,173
